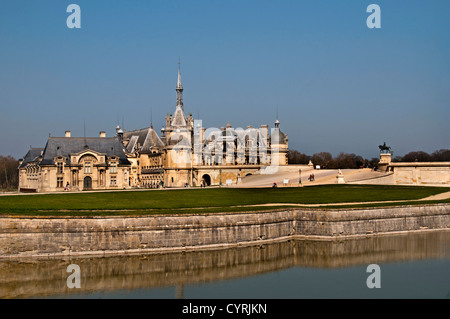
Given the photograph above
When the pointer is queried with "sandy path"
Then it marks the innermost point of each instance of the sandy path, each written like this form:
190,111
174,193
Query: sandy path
441,196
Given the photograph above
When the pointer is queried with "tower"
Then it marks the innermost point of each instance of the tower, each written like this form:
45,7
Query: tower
179,131
278,146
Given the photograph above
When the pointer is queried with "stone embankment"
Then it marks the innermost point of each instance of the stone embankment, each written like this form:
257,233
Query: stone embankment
78,236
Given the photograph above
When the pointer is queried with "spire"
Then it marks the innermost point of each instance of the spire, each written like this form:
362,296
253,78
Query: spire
179,119
179,84
151,117
179,87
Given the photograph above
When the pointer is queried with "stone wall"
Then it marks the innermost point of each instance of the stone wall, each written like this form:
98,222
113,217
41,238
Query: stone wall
36,236
371,221
421,173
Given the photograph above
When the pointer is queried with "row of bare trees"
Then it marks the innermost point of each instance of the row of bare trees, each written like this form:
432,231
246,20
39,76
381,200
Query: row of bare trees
345,160
9,176
442,155
326,160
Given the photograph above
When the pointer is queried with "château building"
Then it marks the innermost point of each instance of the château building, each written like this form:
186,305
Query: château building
185,154
77,162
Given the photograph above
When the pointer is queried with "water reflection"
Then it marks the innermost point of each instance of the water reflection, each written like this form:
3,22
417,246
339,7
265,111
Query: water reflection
47,277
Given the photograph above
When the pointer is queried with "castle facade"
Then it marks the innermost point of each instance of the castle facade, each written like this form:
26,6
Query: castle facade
185,154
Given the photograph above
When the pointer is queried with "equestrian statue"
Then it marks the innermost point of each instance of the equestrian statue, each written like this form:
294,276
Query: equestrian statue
384,148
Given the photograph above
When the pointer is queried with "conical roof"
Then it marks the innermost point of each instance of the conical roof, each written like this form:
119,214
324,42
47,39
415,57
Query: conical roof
179,119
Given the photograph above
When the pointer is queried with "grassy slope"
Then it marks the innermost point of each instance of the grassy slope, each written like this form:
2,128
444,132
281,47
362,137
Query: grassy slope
189,200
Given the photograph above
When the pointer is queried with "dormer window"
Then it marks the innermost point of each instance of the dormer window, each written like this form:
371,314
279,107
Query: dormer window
113,167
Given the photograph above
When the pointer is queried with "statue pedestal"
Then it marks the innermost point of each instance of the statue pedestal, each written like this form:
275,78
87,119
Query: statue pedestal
385,160
340,178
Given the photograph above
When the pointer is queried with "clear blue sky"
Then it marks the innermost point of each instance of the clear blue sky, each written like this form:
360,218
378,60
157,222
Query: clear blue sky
339,86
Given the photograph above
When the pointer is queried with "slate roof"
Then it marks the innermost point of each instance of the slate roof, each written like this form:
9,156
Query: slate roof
147,138
63,146
140,136
132,143
152,140
32,156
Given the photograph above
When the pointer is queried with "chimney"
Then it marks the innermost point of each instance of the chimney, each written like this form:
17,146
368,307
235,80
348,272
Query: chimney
102,134
67,133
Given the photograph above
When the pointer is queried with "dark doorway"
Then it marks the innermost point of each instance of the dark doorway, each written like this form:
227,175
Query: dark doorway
206,180
87,183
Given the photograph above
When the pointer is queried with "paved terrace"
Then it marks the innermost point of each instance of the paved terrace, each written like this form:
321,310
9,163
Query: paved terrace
322,177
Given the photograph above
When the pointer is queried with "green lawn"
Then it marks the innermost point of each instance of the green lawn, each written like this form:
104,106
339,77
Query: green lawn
201,200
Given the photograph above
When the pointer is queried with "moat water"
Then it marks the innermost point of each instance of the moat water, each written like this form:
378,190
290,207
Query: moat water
411,266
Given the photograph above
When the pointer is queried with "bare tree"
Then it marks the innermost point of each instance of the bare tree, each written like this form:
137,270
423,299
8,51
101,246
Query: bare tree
417,156
9,175
295,157
441,156
324,159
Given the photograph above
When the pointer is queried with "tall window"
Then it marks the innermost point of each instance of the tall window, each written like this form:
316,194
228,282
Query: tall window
59,182
113,167
59,166
113,181
87,167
